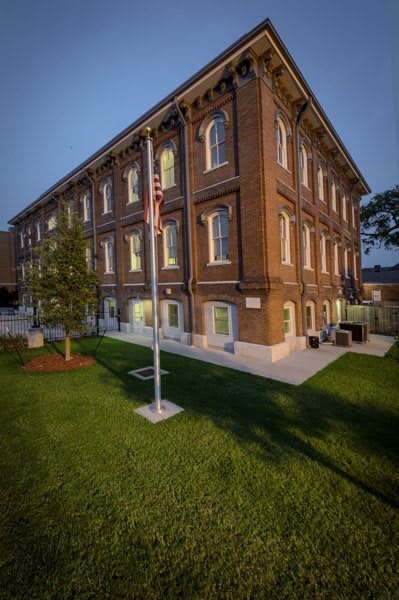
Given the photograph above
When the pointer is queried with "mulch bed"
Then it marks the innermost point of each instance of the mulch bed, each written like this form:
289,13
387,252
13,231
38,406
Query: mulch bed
50,363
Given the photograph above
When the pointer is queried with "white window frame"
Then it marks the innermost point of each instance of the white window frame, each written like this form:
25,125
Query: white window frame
51,222
334,196
344,211
212,240
310,304
307,249
219,143
303,158
281,134
285,238
168,175
346,265
109,257
21,238
288,306
86,208
107,197
29,235
229,321
336,259
353,216
135,252
166,247
38,231
133,196
323,253
326,313
320,184
176,304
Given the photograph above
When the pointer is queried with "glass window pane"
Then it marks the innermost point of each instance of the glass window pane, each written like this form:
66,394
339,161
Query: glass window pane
220,131
212,135
224,227
173,315
222,153
221,314
214,156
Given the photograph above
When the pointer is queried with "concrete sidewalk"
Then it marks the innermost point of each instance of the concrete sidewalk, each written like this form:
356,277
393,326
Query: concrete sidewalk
299,366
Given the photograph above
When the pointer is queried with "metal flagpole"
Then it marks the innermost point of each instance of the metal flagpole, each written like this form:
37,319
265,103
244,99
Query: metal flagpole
154,284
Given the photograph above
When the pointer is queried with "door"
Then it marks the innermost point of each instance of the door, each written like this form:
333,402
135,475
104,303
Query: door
137,316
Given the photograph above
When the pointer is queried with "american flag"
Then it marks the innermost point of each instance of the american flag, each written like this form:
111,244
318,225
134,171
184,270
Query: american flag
158,204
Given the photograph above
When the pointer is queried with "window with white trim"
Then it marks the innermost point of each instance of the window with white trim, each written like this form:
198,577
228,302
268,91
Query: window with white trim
168,167
344,211
29,235
320,184
107,197
353,216
51,222
310,315
326,312
334,196
173,314
170,245
303,158
135,251
346,266
282,144
21,238
285,238
307,255
288,317
133,184
215,143
336,259
86,207
109,256
38,231
323,253
221,320
219,236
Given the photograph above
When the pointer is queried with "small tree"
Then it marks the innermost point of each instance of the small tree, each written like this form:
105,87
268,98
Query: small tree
380,221
63,284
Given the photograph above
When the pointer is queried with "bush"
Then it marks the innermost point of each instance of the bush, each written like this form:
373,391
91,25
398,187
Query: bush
17,341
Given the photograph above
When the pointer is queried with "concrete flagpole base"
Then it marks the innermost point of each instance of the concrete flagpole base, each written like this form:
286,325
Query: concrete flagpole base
168,409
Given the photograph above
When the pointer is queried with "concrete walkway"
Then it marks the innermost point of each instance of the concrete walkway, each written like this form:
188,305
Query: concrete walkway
295,369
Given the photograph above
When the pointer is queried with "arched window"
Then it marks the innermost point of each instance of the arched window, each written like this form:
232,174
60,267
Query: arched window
168,167
86,207
285,238
334,196
346,265
135,251
289,319
320,184
107,196
303,157
219,236
326,312
109,256
133,184
310,315
215,143
307,255
323,252
170,245
281,144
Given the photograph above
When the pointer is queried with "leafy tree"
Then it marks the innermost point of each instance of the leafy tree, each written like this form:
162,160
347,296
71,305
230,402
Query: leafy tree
64,286
380,221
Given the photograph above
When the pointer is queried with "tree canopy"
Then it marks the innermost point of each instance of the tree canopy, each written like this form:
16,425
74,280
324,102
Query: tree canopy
64,285
380,221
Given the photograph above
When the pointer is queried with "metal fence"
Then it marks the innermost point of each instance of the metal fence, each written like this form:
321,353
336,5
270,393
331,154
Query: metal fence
20,323
383,320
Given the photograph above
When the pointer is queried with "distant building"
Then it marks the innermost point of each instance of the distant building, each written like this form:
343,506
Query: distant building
381,284
261,235
7,269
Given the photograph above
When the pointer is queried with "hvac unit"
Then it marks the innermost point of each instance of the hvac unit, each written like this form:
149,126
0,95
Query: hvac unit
359,330
341,337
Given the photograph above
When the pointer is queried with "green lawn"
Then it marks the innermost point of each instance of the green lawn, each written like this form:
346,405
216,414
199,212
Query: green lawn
258,490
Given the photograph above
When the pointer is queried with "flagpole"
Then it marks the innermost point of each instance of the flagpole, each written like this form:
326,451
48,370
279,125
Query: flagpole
154,283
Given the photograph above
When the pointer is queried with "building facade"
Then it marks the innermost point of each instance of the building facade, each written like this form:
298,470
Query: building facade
381,285
261,237
7,269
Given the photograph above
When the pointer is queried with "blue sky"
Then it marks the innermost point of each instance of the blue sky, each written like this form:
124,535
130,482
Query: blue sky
76,73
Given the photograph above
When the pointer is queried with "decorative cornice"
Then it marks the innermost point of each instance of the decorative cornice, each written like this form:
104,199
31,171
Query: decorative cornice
217,191
286,191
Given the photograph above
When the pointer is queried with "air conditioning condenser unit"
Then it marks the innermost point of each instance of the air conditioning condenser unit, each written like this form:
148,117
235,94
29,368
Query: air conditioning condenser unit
341,337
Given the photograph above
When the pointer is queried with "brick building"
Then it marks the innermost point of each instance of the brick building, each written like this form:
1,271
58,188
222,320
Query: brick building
381,285
7,270
261,237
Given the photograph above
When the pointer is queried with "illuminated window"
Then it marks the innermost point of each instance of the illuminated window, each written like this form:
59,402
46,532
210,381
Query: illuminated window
173,314
303,157
216,148
219,240
135,251
221,320
288,316
285,238
109,256
281,144
168,167
133,185
170,245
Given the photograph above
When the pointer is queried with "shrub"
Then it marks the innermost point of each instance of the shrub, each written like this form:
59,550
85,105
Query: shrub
393,352
17,341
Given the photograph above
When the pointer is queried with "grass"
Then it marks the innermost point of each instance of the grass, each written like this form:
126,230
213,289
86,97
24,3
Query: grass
259,489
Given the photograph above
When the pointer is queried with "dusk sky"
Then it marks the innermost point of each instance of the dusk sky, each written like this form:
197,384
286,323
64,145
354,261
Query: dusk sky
74,74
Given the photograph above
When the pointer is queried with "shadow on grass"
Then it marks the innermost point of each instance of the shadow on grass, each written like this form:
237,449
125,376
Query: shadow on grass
273,420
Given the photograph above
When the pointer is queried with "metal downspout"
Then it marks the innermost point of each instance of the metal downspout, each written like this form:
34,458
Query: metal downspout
187,201
298,122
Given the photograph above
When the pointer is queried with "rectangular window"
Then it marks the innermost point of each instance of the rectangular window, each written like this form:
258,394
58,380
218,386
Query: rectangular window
38,231
287,321
51,222
29,234
86,208
109,257
306,248
173,315
21,239
170,246
221,318
220,237
309,317
336,262
135,252
344,212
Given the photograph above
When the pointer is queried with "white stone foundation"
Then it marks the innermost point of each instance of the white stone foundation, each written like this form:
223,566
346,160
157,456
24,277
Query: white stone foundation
260,352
